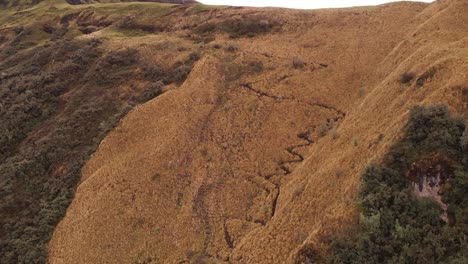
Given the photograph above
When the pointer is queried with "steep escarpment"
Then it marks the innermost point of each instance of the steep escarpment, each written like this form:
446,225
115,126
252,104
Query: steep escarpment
253,156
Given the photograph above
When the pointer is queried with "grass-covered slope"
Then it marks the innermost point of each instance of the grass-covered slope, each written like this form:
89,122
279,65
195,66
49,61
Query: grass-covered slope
60,95
249,132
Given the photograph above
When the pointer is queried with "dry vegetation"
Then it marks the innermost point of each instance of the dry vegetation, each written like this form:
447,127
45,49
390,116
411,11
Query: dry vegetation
255,146
58,101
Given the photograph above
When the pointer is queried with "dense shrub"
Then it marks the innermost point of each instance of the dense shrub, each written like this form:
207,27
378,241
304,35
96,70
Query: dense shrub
464,139
181,72
29,97
115,66
154,72
32,199
122,57
397,227
151,91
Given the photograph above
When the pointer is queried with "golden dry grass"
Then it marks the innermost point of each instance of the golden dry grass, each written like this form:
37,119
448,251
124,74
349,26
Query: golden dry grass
193,175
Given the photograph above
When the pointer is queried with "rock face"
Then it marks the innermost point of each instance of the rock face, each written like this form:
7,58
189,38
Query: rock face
430,176
251,167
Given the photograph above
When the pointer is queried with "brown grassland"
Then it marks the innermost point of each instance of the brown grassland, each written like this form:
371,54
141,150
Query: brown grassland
249,128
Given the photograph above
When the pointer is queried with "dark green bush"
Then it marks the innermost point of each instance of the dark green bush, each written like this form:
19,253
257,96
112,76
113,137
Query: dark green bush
397,227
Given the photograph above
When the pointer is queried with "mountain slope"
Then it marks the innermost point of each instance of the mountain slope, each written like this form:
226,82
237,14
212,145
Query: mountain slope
239,167
220,134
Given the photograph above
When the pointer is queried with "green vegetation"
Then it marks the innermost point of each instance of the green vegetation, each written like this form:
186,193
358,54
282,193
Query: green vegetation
397,227
42,151
58,101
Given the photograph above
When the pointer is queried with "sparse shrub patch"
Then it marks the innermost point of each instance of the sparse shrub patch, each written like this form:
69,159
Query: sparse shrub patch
254,66
231,47
234,71
248,27
298,63
237,28
406,77
205,28
131,23
194,56
426,76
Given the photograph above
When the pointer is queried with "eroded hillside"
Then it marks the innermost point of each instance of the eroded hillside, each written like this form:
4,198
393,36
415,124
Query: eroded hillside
254,155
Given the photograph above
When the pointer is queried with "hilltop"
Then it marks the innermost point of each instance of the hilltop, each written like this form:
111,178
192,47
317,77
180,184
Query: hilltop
166,133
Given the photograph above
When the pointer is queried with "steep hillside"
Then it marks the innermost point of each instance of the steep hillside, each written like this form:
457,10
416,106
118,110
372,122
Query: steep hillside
60,95
253,156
